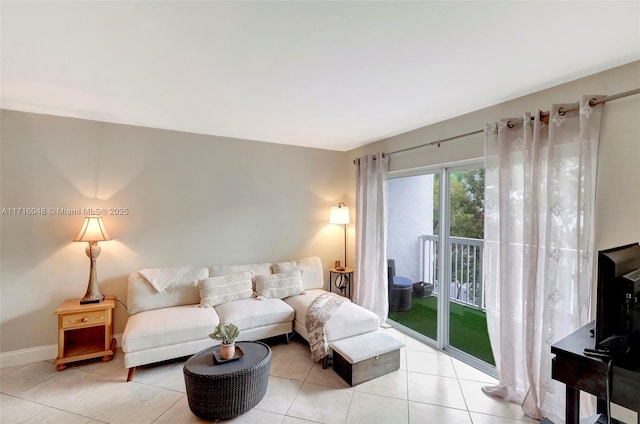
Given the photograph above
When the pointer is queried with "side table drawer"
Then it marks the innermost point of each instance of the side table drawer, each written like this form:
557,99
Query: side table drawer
84,319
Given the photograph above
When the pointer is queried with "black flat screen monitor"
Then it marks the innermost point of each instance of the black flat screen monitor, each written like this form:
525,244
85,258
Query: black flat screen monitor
614,305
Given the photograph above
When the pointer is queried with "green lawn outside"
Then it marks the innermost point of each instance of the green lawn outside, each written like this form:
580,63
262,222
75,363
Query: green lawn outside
468,326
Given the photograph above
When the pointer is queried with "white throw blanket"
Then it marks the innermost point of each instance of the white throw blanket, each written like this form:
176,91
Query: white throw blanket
163,278
320,311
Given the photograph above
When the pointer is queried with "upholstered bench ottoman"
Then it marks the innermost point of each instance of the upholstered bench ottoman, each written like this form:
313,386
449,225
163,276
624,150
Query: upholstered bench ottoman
366,356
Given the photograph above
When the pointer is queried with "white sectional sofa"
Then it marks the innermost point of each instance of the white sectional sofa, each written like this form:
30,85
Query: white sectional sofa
172,323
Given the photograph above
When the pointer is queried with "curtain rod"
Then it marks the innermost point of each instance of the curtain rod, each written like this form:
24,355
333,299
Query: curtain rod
543,115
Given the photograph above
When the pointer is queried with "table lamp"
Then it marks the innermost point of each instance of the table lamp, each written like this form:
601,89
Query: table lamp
340,215
92,231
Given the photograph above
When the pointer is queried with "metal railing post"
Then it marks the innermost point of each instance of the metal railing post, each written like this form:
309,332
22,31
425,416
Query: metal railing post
466,268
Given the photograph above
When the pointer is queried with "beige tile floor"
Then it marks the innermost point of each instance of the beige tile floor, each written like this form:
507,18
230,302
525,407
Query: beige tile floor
429,387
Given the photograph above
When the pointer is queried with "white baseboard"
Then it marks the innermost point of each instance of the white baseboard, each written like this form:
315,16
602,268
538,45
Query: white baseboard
35,354
25,356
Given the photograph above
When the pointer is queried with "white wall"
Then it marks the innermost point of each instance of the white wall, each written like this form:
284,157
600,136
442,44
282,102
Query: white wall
410,215
192,199
617,219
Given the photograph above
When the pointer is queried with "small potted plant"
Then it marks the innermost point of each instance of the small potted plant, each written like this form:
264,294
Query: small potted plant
227,335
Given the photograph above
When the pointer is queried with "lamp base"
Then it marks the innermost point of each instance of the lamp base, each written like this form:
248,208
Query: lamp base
86,300
92,295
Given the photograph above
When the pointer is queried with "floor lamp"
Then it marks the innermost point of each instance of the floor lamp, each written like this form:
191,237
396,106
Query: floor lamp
340,215
92,231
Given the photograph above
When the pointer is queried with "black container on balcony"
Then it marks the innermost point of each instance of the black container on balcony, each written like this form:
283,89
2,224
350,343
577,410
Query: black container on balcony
422,289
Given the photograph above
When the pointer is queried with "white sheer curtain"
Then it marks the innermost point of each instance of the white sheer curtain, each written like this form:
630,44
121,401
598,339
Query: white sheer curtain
539,202
371,236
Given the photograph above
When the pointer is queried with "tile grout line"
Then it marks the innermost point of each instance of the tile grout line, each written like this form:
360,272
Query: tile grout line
167,410
48,407
466,404
406,371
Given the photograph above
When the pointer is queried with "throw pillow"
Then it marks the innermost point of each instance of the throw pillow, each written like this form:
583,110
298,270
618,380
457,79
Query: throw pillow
279,285
225,288
312,276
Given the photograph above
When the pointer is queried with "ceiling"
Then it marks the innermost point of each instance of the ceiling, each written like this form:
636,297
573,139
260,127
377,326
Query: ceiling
330,74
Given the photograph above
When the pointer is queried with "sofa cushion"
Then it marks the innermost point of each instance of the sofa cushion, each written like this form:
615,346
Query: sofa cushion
254,313
312,274
301,303
168,326
142,297
278,286
226,288
364,346
257,269
348,321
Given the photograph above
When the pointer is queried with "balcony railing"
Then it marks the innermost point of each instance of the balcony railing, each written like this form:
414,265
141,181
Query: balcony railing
467,283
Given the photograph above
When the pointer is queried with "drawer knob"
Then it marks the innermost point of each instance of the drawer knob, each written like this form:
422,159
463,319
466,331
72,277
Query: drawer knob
85,319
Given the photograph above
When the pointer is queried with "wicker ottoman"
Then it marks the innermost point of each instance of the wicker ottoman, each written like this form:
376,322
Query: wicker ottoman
222,391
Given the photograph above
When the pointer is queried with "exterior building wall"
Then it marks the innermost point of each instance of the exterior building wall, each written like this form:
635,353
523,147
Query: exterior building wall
410,215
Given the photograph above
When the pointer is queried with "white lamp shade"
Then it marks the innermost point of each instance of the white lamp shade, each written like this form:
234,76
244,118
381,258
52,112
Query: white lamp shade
339,215
93,230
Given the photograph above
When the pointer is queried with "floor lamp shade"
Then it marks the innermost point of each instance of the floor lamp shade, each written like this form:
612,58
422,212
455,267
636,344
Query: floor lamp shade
340,215
93,231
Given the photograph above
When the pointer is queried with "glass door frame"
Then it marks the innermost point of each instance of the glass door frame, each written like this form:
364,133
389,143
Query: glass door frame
444,271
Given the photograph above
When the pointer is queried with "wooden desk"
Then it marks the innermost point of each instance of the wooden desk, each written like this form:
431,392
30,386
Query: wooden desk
580,372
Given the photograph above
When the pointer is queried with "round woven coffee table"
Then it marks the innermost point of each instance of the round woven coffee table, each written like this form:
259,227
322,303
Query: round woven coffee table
219,391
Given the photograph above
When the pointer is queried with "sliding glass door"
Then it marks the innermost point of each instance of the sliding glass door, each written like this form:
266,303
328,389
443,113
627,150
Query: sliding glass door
435,246
412,253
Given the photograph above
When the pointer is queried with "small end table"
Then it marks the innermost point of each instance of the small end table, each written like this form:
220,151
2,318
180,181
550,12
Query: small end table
341,280
85,331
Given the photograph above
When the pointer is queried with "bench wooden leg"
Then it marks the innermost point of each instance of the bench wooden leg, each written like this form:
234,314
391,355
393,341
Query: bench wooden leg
130,375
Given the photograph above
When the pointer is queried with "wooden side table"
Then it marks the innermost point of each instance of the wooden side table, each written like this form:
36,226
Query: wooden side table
341,280
85,331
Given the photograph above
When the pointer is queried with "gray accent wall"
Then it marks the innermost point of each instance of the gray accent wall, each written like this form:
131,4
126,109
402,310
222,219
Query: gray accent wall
183,199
